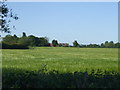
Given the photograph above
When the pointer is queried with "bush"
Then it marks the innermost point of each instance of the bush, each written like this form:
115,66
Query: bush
13,46
14,78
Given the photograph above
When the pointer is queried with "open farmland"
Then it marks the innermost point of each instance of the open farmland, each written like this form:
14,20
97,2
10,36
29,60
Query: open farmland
60,58
60,67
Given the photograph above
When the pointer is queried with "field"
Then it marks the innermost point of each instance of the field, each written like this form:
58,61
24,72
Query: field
63,59
60,67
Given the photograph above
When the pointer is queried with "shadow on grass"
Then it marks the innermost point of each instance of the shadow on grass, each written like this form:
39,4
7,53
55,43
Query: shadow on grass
18,78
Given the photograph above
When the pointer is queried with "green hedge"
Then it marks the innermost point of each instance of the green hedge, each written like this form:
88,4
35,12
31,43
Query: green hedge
13,46
14,78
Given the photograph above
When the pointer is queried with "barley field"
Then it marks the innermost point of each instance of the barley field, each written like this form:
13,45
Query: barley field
60,67
63,59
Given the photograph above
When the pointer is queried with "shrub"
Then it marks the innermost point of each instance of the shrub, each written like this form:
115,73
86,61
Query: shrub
53,79
13,46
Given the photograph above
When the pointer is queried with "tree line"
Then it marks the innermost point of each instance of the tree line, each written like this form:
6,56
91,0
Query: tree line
24,42
106,44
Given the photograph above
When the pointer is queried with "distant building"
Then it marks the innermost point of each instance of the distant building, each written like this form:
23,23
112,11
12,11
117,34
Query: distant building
51,45
63,44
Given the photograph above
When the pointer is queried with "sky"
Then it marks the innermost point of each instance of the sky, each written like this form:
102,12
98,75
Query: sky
63,0
86,22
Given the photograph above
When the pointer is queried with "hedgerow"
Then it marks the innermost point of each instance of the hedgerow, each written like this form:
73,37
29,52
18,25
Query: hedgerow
54,79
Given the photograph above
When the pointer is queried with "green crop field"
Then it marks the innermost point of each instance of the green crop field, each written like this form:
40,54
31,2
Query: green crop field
63,59
60,67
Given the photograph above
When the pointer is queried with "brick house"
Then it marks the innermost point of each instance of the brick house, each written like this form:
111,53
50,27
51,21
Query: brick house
51,45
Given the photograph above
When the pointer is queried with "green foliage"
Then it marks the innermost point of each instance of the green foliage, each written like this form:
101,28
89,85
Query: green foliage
16,78
15,38
24,34
107,44
54,43
8,39
33,41
75,44
93,46
13,46
24,41
43,42
110,44
5,15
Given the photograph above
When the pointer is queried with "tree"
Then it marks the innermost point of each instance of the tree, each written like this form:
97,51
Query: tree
15,38
54,43
35,41
43,41
102,45
6,13
75,44
24,34
111,44
32,40
24,40
9,39
106,44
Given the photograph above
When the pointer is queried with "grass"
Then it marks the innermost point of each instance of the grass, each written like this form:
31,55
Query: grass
60,67
62,59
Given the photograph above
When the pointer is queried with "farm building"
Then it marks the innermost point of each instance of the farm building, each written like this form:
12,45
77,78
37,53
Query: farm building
61,45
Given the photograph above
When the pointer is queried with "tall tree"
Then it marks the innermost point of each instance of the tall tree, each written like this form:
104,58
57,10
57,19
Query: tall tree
111,44
24,34
54,43
24,40
106,44
6,13
102,45
8,39
15,38
75,44
33,40
43,41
